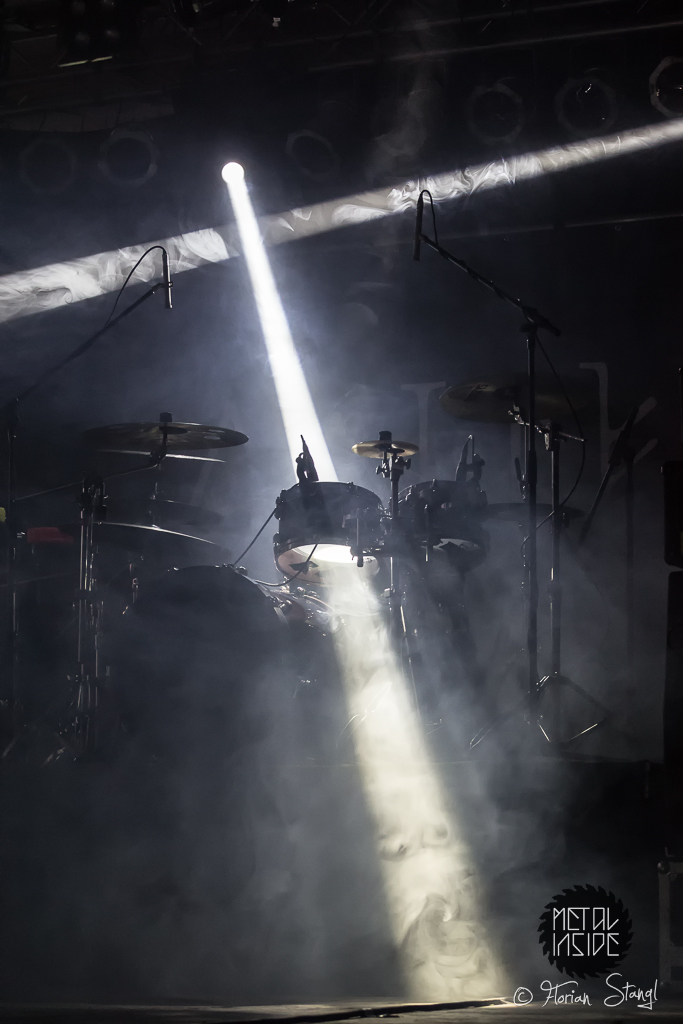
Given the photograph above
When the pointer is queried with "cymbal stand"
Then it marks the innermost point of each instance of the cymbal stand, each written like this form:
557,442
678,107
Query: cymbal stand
556,679
83,728
550,726
10,709
392,468
79,720
622,451
533,321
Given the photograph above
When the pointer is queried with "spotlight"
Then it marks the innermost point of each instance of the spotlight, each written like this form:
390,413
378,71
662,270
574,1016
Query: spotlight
585,106
232,173
47,166
666,87
313,154
94,30
495,113
128,158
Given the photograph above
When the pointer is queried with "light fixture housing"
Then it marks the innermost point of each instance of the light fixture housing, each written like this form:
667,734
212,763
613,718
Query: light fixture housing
495,113
586,106
666,87
119,150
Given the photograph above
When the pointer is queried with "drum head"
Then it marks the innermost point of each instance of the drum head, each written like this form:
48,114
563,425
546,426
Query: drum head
322,564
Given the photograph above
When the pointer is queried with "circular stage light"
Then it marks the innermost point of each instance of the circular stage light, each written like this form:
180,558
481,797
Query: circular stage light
128,158
495,113
47,166
586,106
666,87
314,155
232,172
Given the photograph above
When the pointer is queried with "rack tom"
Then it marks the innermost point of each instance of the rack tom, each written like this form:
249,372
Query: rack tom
446,515
323,526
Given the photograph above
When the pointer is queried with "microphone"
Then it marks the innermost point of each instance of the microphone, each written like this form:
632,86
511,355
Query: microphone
168,283
305,466
418,227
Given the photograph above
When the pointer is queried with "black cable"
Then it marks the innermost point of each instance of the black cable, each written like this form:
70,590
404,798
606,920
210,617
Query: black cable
89,342
250,545
426,192
305,566
121,289
289,579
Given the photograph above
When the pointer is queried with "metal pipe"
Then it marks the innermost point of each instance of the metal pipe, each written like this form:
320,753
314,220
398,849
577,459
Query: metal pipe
508,44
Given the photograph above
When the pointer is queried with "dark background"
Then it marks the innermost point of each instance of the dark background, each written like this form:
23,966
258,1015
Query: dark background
112,886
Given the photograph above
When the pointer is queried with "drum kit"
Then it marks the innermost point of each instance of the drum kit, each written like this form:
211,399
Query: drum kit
156,560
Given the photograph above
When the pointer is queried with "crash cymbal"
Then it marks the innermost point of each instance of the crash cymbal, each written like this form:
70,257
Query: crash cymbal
518,512
149,437
378,449
169,455
495,399
160,512
138,538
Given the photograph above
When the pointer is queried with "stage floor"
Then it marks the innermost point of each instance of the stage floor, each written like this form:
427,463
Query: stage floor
665,1009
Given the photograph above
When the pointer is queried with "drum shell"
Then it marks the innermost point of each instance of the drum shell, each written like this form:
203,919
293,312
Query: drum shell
435,512
327,513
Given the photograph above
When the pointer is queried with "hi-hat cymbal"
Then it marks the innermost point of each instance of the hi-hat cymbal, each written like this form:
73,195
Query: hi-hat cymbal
518,512
378,449
496,399
149,437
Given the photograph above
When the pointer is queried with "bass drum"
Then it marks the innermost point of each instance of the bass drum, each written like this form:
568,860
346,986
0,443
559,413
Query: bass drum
445,516
191,652
319,525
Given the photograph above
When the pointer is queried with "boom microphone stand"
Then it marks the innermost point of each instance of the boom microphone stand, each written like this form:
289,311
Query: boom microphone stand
532,322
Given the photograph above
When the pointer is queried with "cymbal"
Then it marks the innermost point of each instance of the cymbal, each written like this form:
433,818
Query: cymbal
493,399
160,512
138,538
378,449
148,437
169,455
518,512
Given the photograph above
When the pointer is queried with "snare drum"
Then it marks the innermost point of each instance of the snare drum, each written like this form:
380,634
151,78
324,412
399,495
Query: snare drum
446,515
321,524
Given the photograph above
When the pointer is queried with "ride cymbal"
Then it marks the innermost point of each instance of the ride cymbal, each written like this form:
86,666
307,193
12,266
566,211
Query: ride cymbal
497,399
151,437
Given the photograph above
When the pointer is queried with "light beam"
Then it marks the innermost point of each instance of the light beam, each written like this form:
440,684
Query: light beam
429,877
60,284
294,398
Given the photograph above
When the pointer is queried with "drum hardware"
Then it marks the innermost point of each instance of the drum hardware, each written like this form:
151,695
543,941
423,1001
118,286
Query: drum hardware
532,322
396,458
87,712
555,679
622,451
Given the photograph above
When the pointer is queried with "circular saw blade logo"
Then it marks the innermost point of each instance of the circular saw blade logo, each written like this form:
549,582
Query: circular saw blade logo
585,931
